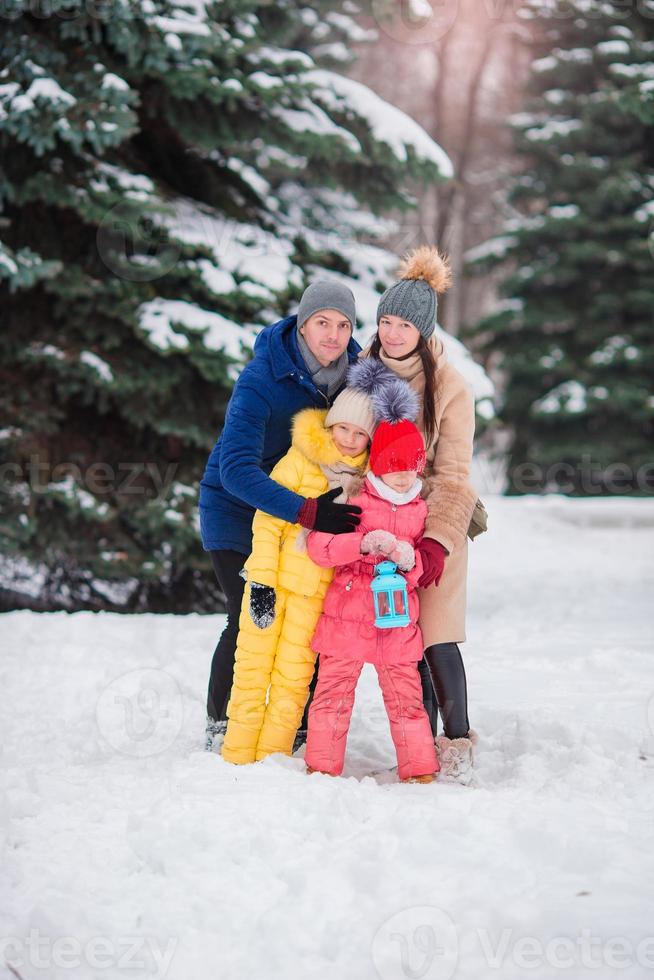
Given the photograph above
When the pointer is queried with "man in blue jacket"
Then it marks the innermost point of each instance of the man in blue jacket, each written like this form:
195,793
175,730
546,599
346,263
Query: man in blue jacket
299,362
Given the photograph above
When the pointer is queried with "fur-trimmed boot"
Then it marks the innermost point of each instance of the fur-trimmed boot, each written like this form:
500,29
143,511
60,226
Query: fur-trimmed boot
456,758
214,734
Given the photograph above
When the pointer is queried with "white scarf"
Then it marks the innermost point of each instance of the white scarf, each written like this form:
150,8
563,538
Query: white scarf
392,495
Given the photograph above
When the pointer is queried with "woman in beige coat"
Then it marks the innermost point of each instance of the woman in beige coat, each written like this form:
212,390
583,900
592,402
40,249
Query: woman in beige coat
406,343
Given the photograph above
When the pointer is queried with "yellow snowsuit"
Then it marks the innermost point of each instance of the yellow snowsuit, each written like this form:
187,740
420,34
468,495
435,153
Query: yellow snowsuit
280,657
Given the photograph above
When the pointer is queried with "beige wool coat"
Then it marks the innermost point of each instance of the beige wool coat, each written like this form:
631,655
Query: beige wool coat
450,497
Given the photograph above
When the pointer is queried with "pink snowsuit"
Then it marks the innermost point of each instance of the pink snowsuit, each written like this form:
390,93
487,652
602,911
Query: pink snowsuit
346,637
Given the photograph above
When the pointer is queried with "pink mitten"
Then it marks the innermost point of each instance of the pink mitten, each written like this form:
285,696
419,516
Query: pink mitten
404,556
378,542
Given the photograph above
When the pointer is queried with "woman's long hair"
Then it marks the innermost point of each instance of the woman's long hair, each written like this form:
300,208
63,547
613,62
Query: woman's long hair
429,368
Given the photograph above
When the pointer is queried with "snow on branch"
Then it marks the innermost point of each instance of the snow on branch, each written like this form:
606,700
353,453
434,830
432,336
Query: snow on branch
387,123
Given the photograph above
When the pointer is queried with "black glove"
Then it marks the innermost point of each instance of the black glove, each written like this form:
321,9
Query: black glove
335,518
262,605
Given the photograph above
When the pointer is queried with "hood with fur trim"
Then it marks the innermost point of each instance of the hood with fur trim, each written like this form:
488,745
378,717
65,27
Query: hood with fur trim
314,441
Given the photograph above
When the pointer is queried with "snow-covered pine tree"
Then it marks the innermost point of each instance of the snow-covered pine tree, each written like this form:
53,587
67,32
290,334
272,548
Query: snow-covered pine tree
573,336
171,171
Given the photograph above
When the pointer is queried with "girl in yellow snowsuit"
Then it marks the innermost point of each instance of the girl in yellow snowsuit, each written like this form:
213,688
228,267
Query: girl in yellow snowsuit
273,653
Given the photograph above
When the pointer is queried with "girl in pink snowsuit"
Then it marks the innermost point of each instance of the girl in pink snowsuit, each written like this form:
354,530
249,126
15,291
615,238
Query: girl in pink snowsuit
392,523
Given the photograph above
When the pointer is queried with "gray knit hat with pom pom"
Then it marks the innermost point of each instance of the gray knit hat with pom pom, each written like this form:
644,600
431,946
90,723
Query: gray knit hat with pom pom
423,274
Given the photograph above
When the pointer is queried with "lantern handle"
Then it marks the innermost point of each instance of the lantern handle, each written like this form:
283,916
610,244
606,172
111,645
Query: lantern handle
385,568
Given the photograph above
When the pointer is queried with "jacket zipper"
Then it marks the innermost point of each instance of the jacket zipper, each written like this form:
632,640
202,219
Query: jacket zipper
315,388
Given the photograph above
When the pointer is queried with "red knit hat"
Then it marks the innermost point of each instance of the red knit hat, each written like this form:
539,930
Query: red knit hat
396,447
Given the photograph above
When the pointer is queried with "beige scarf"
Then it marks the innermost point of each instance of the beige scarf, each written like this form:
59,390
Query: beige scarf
350,478
410,368
339,474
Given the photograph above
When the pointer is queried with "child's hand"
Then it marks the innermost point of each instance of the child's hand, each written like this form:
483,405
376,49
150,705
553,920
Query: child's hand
378,542
404,556
262,605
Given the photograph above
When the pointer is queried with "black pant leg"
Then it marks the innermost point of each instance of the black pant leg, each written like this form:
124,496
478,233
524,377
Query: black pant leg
428,696
304,724
226,565
448,677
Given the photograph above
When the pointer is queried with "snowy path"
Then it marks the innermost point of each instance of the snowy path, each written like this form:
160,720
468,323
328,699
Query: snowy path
127,851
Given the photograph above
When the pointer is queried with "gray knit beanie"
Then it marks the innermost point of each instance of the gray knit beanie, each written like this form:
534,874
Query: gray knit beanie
423,274
326,295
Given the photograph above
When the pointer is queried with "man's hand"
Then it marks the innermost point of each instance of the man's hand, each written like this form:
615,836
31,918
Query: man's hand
322,514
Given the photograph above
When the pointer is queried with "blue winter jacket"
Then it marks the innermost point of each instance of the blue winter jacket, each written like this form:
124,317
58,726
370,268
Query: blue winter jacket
272,388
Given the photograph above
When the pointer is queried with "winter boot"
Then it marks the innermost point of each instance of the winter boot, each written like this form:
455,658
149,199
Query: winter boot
428,777
310,771
455,757
214,734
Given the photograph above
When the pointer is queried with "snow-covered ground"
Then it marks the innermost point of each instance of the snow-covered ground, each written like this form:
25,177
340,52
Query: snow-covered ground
126,851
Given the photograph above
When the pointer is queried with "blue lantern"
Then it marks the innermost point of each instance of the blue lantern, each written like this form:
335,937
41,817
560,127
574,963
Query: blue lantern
391,597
